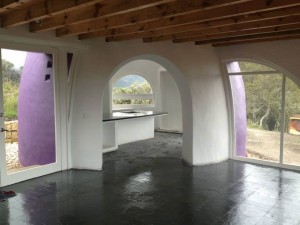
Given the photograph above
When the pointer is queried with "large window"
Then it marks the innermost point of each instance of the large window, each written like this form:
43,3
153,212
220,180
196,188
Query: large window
132,90
266,113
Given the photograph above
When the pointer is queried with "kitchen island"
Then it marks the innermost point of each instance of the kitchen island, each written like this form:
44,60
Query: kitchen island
127,126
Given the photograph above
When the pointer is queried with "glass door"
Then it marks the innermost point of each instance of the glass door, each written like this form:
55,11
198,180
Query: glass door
257,95
266,107
27,110
291,140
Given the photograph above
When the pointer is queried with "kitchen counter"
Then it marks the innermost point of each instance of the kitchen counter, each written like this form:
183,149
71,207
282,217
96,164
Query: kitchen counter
122,115
127,126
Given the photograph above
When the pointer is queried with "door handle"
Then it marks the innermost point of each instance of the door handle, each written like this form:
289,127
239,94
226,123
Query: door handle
3,130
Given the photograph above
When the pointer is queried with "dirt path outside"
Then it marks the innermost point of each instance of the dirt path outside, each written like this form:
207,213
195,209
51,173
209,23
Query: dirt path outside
265,145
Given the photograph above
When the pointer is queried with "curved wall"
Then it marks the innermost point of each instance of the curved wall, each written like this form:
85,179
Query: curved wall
36,111
197,73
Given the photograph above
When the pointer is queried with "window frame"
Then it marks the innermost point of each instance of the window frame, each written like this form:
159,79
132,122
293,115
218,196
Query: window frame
231,111
131,96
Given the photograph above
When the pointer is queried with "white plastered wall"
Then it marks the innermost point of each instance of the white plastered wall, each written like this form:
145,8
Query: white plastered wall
170,102
196,71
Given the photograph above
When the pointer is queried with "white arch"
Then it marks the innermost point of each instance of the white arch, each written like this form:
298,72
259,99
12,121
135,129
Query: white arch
186,99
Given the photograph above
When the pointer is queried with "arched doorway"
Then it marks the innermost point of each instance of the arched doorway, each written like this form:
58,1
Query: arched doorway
184,97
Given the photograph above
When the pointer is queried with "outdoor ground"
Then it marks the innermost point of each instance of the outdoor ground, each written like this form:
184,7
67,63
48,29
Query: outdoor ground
262,144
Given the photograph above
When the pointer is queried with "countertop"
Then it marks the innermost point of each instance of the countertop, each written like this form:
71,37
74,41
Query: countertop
130,114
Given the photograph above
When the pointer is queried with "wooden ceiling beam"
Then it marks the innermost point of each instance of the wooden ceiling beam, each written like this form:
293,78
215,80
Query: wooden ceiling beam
243,9
102,10
160,34
230,34
6,5
243,29
249,36
247,27
41,10
168,11
255,40
190,35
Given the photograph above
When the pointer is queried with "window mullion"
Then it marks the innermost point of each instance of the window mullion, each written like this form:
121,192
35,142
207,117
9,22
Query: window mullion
282,127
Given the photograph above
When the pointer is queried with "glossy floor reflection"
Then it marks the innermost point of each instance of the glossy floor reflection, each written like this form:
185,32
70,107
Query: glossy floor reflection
147,183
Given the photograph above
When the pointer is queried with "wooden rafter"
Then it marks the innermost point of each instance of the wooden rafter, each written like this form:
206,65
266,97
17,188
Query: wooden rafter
190,35
6,5
167,11
285,33
89,13
225,12
255,40
162,34
41,10
267,25
217,22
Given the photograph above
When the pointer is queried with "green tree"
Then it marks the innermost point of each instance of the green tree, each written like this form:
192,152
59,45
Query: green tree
264,97
134,88
9,73
11,79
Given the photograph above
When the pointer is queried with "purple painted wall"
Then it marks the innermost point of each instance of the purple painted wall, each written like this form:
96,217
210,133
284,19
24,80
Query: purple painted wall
36,111
240,115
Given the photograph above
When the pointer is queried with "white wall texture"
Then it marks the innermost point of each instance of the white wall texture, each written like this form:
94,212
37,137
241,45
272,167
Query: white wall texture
134,129
170,102
195,69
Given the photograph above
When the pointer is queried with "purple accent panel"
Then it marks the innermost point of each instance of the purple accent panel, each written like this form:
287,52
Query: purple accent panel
240,115
36,111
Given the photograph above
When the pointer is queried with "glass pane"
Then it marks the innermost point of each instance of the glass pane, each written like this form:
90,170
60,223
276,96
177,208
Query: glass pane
28,95
257,108
132,89
263,100
249,67
254,67
291,147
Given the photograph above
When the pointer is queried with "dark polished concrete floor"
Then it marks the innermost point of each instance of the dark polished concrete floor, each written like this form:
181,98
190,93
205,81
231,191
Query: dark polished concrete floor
147,183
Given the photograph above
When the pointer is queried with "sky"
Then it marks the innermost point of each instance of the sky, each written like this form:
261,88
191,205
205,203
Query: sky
127,80
15,57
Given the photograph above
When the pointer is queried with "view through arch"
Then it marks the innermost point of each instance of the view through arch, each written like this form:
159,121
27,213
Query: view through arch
132,90
148,83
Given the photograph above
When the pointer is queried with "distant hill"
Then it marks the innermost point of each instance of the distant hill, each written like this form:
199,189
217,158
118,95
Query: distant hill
126,81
